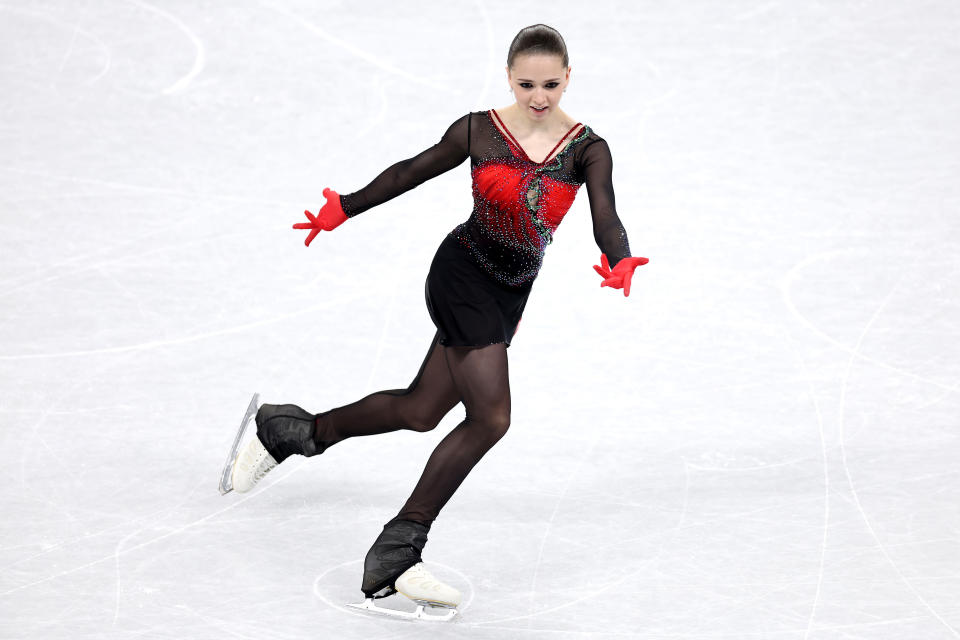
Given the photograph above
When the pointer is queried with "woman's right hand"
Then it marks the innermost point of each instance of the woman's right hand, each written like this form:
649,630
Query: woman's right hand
329,217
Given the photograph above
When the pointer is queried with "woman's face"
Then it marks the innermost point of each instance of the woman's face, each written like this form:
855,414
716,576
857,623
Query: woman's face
538,81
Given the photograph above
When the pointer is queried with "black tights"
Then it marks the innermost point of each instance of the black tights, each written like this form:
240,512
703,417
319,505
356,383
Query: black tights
476,376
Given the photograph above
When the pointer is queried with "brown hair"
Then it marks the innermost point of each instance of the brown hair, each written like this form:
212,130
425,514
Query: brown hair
538,39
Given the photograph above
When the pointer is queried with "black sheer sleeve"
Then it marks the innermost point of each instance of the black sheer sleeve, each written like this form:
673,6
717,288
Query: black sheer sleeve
453,148
597,168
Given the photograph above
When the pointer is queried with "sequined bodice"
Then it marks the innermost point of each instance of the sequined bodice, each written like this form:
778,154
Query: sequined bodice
517,206
517,203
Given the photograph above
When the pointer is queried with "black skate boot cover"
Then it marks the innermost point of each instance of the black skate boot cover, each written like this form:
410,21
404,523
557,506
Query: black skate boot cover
397,549
285,430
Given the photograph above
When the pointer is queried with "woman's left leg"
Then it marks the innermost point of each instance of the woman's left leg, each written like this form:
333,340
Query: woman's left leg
482,379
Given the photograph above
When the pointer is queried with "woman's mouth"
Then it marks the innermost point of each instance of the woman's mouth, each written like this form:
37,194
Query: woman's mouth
541,110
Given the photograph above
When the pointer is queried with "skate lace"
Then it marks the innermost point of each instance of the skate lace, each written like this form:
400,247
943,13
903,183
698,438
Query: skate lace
261,464
423,577
263,467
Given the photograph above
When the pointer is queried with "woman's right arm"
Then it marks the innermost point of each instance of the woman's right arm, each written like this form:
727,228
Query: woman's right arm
452,149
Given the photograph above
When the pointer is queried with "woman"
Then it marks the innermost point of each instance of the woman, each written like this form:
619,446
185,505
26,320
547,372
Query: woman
527,162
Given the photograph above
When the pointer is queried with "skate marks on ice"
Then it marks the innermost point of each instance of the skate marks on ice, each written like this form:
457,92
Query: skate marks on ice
195,337
855,354
75,30
390,70
667,536
786,292
843,453
553,516
366,56
120,549
328,587
825,530
199,60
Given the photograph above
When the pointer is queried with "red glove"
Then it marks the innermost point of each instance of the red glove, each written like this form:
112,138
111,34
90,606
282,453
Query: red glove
328,218
621,274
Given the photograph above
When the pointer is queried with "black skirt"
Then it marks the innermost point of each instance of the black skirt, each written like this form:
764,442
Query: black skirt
469,307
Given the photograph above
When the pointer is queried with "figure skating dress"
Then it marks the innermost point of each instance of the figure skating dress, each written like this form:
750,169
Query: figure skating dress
483,271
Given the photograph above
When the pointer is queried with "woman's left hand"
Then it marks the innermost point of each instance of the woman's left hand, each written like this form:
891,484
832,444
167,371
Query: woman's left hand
621,274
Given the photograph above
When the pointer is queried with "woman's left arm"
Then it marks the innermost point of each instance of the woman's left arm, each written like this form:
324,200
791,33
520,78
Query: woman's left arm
608,232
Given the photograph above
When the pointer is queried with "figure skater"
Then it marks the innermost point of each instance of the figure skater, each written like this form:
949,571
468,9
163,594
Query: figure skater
527,161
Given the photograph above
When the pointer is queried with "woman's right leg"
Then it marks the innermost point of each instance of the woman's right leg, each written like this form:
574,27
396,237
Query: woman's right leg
419,407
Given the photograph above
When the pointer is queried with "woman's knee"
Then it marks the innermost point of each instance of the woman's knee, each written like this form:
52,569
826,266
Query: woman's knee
424,419
422,425
495,424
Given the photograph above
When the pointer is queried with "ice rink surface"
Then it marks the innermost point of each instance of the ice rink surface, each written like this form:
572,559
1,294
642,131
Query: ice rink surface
761,441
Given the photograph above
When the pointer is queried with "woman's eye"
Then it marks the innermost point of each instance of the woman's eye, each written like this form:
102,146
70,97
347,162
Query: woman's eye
550,85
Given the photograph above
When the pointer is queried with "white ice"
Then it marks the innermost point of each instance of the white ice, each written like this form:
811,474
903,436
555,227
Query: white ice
761,441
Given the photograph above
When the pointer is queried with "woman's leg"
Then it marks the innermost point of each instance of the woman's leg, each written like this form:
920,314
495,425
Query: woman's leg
419,407
482,379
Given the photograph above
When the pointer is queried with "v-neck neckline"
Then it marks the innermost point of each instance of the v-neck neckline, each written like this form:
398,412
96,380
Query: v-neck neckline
495,117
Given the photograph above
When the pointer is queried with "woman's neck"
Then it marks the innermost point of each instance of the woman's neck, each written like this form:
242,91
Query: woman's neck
521,126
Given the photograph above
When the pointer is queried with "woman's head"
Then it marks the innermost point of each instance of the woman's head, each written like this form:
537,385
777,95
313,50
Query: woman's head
538,69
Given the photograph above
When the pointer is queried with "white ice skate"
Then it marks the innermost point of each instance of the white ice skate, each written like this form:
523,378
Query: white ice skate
418,585
245,468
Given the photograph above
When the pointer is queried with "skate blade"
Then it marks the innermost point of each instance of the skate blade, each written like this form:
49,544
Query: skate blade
420,614
226,476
